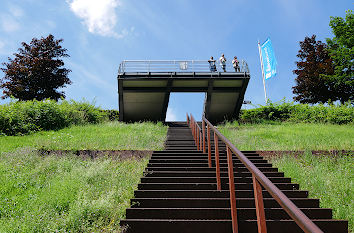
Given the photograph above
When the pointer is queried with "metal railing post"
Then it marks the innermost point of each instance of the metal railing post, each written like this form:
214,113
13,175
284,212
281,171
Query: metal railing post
258,198
232,190
209,146
200,140
217,161
198,148
203,132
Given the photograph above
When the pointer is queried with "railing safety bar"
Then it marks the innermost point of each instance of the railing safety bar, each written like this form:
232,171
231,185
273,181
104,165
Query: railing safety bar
178,66
294,212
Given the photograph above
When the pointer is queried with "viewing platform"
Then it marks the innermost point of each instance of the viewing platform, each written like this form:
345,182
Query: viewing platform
144,88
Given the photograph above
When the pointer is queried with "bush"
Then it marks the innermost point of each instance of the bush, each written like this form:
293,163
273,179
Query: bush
113,115
284,111
23,117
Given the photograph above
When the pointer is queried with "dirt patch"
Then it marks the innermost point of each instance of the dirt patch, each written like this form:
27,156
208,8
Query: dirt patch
93,154
270,154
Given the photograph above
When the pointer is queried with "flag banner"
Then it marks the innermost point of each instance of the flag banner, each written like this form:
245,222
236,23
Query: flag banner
268,59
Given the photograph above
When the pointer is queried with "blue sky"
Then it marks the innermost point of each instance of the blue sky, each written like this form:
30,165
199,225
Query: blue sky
99,34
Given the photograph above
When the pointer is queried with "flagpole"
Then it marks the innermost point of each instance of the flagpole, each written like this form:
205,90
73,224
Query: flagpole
260,58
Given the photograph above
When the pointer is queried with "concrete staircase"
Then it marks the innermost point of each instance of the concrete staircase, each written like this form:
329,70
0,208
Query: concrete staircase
178,194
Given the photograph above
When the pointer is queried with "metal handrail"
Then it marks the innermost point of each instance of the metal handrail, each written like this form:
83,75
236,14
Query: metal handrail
260,179
145,66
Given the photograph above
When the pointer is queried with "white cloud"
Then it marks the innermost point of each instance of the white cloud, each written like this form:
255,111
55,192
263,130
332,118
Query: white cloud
99,16
171,114
9,24
10,20
16,11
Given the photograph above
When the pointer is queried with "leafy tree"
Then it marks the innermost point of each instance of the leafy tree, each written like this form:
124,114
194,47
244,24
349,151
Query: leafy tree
314,60
37,71
341,50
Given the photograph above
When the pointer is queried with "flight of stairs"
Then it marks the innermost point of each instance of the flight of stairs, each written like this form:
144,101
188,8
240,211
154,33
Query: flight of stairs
178,194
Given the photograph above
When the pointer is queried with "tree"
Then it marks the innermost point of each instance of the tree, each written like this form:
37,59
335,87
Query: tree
314,61
341,50
37,71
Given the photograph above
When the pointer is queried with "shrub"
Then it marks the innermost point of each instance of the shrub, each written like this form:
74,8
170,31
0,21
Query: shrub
284,111
113,115
23,117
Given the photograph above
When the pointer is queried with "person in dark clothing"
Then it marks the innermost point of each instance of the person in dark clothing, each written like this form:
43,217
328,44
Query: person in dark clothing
212,64
235,64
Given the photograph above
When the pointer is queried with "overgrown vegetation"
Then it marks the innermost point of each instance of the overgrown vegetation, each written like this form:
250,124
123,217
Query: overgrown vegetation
104,136
47,194
23,117
327,178
299,113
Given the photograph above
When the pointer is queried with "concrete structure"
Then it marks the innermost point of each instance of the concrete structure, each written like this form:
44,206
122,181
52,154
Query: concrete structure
144,88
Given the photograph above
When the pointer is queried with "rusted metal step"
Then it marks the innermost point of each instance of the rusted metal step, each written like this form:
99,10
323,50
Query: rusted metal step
222,169
200,180
211,193
224,226
216,202
207,186
156,164
205,174
220,213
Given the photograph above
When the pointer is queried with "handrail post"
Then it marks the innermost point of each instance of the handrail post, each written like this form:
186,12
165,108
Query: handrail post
258,198
217,162
203,132
232,191
187,119
197,142
195,132
209,146
200,140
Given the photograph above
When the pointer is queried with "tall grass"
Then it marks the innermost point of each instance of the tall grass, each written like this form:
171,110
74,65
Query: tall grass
47,194
331,179
290,136
105,136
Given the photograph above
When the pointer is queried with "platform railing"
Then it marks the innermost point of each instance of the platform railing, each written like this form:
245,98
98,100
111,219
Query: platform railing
145,66
258,178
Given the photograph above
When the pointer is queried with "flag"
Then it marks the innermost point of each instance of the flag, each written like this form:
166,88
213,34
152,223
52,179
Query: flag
268,59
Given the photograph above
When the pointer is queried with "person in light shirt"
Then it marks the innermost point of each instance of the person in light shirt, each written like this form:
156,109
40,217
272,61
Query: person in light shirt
222,60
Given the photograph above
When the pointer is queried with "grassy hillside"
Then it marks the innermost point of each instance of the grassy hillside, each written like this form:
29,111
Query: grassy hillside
327,178
47,194
105,136
290,136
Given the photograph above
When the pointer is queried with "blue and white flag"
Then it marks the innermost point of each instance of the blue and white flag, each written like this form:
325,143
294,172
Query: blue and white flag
268,59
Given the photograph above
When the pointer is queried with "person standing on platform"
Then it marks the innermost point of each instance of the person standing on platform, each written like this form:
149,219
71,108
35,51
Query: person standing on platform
235,64
222,60
212,64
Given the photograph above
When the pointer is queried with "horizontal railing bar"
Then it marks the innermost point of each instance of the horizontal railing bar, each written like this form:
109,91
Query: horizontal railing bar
178,65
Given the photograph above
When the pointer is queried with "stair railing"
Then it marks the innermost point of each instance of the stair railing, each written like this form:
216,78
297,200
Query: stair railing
258,179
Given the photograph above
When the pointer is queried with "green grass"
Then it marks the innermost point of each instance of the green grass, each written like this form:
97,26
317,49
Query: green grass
290,136
47,194
105,136
329,178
